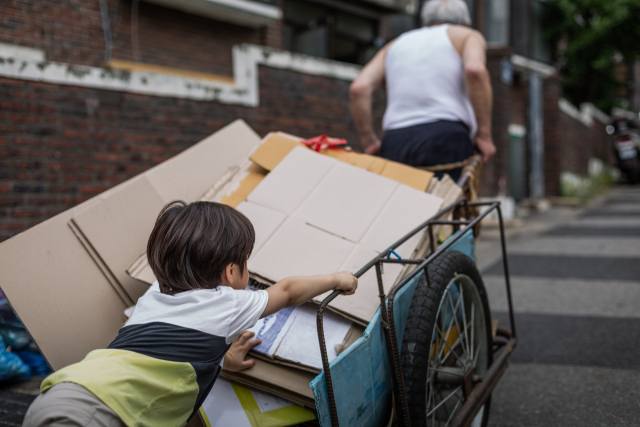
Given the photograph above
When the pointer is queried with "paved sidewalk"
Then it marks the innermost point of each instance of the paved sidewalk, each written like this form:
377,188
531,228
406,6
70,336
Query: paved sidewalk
576,288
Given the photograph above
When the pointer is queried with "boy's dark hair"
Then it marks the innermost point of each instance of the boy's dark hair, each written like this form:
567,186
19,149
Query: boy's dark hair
191,244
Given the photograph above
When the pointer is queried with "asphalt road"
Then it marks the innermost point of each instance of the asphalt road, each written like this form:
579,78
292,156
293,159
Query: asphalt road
576,290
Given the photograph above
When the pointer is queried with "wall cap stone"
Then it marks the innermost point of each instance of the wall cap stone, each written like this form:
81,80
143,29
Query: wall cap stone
585,115
243,91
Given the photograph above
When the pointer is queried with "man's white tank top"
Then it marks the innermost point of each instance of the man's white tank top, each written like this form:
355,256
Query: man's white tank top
425,81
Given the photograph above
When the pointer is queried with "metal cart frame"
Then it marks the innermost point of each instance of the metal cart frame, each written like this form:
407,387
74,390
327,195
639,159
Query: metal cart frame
505,340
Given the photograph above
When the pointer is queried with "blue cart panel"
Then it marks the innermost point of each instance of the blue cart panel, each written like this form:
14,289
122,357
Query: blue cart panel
361,375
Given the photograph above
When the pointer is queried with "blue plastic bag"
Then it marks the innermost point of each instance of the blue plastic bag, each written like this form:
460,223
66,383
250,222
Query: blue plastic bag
11,366
35,361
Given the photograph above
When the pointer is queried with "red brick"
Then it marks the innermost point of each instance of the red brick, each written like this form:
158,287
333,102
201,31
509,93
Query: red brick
92,189
10,201
12,226
110,157
26,213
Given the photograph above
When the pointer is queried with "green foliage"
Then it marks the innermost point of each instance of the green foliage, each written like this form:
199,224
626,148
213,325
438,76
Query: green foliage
589,34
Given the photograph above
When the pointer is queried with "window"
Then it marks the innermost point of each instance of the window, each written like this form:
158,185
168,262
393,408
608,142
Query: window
539,48
326,32
496,21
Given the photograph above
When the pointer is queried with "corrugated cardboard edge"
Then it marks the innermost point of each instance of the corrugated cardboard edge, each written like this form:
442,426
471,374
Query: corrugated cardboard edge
106,271
292,384
449,191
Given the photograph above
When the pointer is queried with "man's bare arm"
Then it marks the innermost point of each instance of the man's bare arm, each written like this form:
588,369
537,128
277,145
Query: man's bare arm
478,84
370,79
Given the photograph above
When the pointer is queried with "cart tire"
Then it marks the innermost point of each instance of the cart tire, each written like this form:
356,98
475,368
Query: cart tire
422,343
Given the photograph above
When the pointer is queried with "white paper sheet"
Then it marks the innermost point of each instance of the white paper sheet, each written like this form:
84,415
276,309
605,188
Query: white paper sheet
223,407
271,330
300,344
269,402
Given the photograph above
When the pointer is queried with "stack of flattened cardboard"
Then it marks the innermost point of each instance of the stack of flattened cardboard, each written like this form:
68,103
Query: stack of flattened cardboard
67,277
321,213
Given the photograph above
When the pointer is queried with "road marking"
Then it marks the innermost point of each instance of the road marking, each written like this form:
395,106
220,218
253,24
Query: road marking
574,297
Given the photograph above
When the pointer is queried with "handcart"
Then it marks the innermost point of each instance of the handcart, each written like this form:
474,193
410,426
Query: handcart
431,355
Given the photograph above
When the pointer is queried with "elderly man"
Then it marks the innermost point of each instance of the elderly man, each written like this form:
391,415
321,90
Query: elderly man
438,92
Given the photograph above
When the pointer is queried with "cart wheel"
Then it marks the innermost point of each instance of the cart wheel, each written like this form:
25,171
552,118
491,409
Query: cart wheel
446,347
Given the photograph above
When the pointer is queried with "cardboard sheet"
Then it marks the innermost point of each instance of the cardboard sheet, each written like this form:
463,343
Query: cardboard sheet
273,149
292,384
286,187
118,227
188,175
414,178
346,201
58,292
298,249
140,270
348,214
247,185
365,302
54,274
276,146
265,222
406,209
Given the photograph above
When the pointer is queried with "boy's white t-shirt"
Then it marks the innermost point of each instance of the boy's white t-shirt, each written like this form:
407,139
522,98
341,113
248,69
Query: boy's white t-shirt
164,361
223,312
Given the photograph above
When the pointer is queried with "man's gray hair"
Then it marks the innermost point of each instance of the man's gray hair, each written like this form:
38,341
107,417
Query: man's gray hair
445,11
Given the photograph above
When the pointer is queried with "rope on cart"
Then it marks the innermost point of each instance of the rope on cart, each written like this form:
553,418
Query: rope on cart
470,167
448,166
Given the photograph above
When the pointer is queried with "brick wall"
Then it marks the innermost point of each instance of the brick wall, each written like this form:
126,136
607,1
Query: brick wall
553,134
497,169
71,31
60,145
579,143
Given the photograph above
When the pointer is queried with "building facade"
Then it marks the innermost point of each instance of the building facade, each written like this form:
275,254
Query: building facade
95,92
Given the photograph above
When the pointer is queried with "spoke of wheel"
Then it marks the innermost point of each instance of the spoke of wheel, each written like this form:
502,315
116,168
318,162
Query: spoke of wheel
473,329
464,321
449,347
428,394
455,318
444,338
444,408
445,399
453,412
439,317
441,353
433,418
445,372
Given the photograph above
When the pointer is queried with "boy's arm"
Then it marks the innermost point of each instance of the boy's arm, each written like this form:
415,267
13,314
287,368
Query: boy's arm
298,289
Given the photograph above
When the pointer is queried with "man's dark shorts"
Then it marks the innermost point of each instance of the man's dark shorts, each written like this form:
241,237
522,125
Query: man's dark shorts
429,144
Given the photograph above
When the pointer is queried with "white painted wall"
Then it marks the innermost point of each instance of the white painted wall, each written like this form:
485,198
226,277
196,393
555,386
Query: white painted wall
243,91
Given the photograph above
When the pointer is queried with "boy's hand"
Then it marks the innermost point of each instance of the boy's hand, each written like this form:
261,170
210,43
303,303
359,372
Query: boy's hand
347,282
234,359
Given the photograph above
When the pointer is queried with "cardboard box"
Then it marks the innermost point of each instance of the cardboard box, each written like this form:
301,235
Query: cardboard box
66,280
